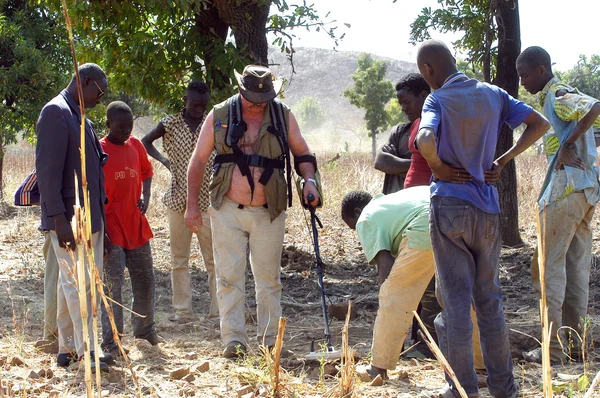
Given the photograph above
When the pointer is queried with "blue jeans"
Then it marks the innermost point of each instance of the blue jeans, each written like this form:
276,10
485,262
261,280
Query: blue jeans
141,273
466,247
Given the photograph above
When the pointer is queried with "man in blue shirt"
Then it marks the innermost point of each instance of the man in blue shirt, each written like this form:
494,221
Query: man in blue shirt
460,124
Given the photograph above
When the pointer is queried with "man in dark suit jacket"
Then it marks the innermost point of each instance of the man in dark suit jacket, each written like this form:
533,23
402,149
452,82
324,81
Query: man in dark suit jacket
57,162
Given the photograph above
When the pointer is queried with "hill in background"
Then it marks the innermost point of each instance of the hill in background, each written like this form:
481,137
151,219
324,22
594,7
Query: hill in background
324,75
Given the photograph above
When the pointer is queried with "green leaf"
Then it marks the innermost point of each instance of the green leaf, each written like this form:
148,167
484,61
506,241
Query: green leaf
583,383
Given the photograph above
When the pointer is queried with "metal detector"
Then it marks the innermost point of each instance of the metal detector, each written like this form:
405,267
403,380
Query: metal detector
329,351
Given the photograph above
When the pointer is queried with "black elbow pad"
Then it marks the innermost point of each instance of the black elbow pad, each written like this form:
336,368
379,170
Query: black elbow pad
304,159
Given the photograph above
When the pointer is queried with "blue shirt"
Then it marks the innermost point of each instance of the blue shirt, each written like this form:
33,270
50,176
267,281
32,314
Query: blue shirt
467,116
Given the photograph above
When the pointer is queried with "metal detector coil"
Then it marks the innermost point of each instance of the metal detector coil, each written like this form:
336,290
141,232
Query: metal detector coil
329,352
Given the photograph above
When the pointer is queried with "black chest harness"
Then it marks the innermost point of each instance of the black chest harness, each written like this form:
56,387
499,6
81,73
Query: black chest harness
235,130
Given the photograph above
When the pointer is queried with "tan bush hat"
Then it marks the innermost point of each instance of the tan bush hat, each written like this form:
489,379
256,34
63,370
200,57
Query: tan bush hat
257,85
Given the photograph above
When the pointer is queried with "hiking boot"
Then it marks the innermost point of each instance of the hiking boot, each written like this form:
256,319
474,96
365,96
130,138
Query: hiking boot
151,338
235,349
448,392
114,351
536,356
47,346
368,373
66,359
420,351
105,357
285,353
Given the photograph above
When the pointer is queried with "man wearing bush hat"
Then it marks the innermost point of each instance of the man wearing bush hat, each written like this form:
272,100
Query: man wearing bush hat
253,134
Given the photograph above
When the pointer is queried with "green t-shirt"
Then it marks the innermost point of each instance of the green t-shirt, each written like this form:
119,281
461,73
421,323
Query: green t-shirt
388,219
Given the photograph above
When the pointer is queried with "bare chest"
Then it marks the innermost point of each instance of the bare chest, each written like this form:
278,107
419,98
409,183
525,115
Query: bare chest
249,142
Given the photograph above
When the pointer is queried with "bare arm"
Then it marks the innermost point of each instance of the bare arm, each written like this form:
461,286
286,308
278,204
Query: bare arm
391,164
385,262
148,141
537,125
145,200
567,154
195,175
299,147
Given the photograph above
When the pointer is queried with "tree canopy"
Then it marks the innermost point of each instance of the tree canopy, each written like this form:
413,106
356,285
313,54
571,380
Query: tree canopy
371,91
34,66
309,113
585,75
153,48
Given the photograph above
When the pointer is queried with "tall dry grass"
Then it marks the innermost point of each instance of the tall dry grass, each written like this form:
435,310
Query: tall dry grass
351,171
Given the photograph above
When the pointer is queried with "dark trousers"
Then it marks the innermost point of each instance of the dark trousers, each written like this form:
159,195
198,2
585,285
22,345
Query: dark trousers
466,247
141,272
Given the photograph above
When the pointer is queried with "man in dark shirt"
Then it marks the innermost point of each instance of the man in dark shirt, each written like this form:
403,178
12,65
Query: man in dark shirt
394,157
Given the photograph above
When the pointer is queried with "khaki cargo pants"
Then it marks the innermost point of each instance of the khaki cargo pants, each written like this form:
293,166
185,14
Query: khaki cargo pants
180,240
235,229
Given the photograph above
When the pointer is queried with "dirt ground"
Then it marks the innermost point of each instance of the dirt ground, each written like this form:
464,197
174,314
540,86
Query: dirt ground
188,347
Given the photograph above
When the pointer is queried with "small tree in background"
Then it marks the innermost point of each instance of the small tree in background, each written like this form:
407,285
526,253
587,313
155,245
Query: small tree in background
310,113
395,114
585,75
371,92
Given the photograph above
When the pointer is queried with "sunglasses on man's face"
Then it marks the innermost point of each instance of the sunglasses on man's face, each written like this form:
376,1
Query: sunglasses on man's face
101,93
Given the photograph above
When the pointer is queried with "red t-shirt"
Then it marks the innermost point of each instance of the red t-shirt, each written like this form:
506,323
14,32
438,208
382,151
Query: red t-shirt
127,166
419,172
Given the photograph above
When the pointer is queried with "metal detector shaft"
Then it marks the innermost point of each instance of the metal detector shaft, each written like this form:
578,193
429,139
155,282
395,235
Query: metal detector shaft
313,221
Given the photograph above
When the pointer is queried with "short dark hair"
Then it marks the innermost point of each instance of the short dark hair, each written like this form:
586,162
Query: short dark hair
115,108
354,199
414,83
197,86
91,71
535,56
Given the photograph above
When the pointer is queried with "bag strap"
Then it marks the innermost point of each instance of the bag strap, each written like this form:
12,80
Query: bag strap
281,132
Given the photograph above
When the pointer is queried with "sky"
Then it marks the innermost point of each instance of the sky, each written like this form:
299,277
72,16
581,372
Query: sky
382,27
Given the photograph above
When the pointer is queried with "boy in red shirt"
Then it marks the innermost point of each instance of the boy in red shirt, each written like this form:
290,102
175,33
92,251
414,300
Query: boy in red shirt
128,175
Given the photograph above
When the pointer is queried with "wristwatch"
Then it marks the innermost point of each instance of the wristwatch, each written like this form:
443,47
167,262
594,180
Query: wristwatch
311,180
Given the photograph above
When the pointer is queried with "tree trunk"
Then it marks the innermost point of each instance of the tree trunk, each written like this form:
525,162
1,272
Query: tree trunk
1,166
212,34
248,19
509,47
373,142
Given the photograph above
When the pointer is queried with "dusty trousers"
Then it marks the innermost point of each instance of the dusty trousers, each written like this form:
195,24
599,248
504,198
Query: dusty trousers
568,242
466,246
235,229
141,272
50,289
180,238
69,320
399,296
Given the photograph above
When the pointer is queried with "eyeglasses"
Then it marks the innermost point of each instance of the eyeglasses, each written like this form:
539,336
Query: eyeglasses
253,105
99,89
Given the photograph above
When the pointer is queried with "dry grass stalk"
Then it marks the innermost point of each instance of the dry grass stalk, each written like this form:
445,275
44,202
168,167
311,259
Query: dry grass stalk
82,230
440,357
276,358
347,375
80,282
546,328
83,238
